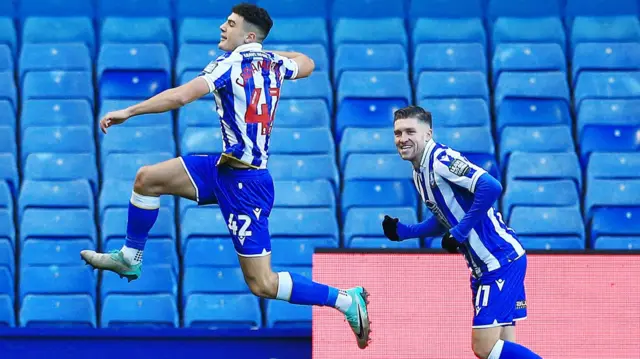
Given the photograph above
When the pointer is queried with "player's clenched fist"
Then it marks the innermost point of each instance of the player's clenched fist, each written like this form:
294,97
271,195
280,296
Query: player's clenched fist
113,118
449,243
390,227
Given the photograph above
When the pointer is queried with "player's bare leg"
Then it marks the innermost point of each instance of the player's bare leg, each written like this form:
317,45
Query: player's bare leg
483,340
508,333
151,182
296,289
487,343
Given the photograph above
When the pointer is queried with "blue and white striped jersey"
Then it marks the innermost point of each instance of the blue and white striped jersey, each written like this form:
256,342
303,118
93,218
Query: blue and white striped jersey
446,182
246,85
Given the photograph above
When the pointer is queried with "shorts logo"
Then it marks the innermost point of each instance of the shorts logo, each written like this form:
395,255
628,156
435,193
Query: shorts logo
459,167
521,304
500,283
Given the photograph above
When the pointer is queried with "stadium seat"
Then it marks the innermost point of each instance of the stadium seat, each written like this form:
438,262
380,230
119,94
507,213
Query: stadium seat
200,141
156,280
28,8
137,30
318,53
535,139
198,30
8,140
6,58
303,223
544,57
295,8
547,222
533,112
195,57
606,85
212,280
607,112
449,57
529,30
539,193
58,85
200,114
603,28
164,119
9,172
59,30
302,114
8,34
191,220
552,243
214,311
280,314
75,194
57,224
7,114
40,113
368,9
49,252
536,166
7,285
78,279
114,225
526,9
6,198
365,57
58,140
615,222
370,31
58,311
157,252
62,167
7,256
613,166
532,85
610,193
377,193
8,92
299,30
301,141
7,312
383,243
617,243
202,251
600,57
297,252
134,8
446,9
458,112
301,168
608,139
116,193
377,167
7,227
366,222
466,140
316,86
128,71
446,85
366,141
54,57
125,140
126,310
318,193
448,30
121,166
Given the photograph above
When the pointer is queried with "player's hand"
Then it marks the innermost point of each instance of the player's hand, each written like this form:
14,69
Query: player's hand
113,118
449,243
390,227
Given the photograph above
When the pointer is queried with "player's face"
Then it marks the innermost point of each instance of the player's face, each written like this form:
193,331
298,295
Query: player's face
232,33
410,138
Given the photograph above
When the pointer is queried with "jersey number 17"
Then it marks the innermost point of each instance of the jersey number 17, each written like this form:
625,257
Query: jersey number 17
263,116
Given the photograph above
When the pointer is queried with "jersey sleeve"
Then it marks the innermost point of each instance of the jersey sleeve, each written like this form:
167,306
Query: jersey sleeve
290,67
217,73
456,169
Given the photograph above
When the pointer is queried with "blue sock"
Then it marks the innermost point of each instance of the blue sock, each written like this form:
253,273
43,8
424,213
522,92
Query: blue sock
509,350
297,289
143,212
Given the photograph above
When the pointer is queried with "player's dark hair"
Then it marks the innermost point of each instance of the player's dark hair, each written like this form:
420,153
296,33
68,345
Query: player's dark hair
413,111
256,16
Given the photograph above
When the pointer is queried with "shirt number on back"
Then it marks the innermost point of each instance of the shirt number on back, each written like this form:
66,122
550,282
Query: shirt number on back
243,232
258,111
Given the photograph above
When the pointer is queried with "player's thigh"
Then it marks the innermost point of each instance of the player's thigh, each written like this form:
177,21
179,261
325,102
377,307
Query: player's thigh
165,178
484,339
508,333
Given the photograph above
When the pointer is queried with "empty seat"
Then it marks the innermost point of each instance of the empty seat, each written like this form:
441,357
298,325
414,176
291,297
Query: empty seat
613,165
114,225
213,280
529,30
458,84
137,30
552,243
54,57
366,140
202,114
377,166
126,310
299,168
8,140
295,8
547,222
7,114
539,193
57,30
301,141
6,58
303,222
190,227
536,85
533,112
58,311
57,280
606,85
446,9
7,283
535,139
366,222
365,57
40,113
302,114
164,119
49,252
59,85
7,227
7,259
8,91
377,193
610,193
458,112
370,31
156,280
297,252
6,197
7,312
214,311
545,166
449,30
449,57
194,57
318,53
157,252
466,140
505,8
116,193
318,193
302,30
600,57
527,57
50,139
201,141
615,222
607,112
197,30
28,8
602,28
9,172
202,251
120,166
137,140
280,314
62,167
57,224
316,86
8,34
615,138
75,194
133,71
617,243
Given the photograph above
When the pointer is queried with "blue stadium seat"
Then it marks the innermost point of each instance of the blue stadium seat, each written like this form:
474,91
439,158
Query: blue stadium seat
49,252
617,243
366,140
318,193
8,91
198,30
137,140
310,167
613,165
114,225
6,197
151,310
449,57
54,57
362,166
535,139
8,140
545,166
615,222
7,227
120,166
602,138
602,28
59,280
62,167
134,8
610,193
195,57
157,252
302,114
600,8
39,113
365,57
446,9
295,8
525,9
529,30
57,224
297,252
75,194
116,193
544,57
50,139
547,222
376,193
383,243
466,140
8,8
366,222
318,53
458,112
316,86
9,172
448,30
606,85
137,30
539,193
133,71
59,30
58,311
7,259
552,243
199,114
280,314
156,280
532,85
302,30
600,57
8,34
7,285
370,31
458,84
204,9
301,141
215,311
164,119
218,252
7,114
28,8
533,112
201,140
213,280
303,222
58,85
7,313
191,224
6,58
607,112
368,9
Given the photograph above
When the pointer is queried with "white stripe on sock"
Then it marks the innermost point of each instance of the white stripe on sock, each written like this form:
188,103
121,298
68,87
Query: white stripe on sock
145,202
285,285
497,350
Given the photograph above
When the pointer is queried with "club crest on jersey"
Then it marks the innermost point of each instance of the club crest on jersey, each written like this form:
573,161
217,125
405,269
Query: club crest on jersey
459,167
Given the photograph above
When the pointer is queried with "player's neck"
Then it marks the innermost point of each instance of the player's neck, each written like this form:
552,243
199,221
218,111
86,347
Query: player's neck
417,161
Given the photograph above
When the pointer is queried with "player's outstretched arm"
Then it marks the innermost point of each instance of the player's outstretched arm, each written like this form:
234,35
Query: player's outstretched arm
304,62
397,231
167,100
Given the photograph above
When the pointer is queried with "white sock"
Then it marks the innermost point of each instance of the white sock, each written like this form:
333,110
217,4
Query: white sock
497,350
343,302
131,255
285,286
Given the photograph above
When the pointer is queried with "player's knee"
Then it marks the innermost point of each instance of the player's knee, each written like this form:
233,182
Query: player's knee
264,286
482,347
144,183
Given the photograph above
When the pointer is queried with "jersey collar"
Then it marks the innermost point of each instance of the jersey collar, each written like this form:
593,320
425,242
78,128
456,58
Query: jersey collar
428,149
254,46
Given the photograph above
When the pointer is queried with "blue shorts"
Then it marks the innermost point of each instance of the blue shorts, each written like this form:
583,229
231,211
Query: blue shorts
245,197
499,297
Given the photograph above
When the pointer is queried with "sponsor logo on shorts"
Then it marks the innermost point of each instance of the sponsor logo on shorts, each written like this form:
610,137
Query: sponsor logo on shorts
521,304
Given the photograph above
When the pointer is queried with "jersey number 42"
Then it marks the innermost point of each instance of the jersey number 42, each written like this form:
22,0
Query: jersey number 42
258,111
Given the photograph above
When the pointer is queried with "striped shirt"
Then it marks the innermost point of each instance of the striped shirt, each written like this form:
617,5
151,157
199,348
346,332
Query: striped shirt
446,182
246,86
